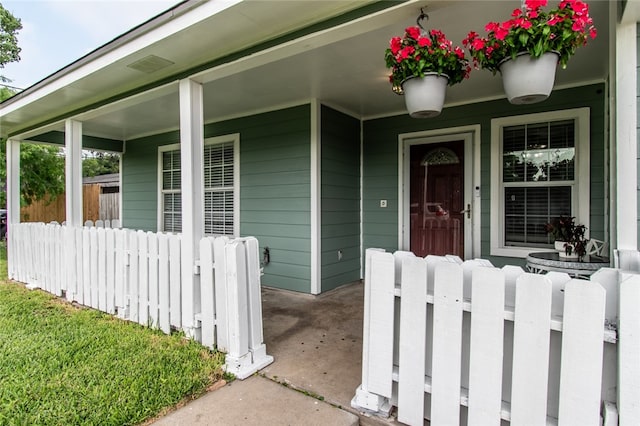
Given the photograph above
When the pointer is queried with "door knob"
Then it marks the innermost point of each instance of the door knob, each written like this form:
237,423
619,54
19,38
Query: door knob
467,211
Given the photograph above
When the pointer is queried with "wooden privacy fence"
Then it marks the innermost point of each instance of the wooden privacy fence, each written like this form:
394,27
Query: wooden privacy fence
467,343
136,275
95,206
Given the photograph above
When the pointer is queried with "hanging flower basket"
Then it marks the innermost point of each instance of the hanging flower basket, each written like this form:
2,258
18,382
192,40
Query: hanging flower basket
527,80
556,34
422,64
424,96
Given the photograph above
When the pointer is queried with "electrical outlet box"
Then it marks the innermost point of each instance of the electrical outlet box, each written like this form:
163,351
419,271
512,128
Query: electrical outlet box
383,203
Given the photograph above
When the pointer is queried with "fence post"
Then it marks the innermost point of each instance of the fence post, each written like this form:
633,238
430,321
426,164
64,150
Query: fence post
582,348
629,350
163,284
220,289
256,341
531,350
378,318
207,293
447,343
413,311
486,346
239,360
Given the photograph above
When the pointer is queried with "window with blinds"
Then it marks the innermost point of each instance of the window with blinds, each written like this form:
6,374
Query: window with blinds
219,191
538,179
171,198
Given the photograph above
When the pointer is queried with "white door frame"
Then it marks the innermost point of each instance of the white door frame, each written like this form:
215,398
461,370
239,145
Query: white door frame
471,137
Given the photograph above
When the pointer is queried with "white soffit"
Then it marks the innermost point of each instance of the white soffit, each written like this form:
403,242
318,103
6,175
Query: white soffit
189,35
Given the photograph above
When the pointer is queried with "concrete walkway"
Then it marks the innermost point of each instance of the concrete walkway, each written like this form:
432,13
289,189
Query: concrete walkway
257,401
316,342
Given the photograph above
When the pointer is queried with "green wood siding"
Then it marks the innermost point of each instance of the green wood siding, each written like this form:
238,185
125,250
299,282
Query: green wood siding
340,198
380,159
275,164
88,142
139,174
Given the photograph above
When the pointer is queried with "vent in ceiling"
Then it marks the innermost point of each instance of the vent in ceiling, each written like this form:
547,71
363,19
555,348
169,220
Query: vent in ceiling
149,64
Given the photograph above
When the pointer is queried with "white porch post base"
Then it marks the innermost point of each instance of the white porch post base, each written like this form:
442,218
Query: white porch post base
371,403
247,364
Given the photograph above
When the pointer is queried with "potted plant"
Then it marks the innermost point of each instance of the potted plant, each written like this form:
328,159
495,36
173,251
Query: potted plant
568,236
527,48
422,65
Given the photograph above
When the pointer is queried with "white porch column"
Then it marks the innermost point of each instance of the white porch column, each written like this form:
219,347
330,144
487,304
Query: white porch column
191,151
316,200
13,181
73,176
13,195
626,133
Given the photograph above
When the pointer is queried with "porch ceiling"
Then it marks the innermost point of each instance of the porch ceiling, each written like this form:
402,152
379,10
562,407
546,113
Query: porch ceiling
342,67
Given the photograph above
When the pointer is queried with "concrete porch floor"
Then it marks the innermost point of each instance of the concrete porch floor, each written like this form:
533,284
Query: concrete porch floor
316,342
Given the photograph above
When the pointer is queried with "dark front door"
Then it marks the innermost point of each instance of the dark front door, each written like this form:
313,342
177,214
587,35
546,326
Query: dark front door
437,198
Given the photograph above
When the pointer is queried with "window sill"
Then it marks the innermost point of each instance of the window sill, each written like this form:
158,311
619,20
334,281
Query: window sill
521,252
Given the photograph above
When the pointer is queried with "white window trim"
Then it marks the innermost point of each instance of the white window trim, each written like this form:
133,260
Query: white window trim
581,196
471,136
235,138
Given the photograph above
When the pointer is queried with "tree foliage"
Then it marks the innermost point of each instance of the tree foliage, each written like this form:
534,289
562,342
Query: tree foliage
97,163
42,167
9,27
41,172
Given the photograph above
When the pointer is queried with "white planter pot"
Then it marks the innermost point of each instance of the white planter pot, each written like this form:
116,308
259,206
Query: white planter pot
528,80
559,246
424,96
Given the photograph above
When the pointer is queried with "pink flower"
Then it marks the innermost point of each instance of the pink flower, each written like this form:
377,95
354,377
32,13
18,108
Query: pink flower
535,4
395,44
406,52
459,52
577,26
491,26
424,41
580,8
593,32
516,13
554,20
413,32
470,37
501,33
477,44
523,23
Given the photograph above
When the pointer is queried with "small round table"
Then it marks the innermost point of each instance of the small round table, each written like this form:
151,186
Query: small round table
542,262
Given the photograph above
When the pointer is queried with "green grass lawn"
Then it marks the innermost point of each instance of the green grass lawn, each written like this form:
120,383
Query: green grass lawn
65,365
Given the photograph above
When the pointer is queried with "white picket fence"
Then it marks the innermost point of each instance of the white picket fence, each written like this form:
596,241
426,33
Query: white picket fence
136,275
467,343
